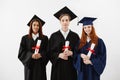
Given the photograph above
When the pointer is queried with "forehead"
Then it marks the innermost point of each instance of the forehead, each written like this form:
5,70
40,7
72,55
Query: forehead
35,22
87,26
65,17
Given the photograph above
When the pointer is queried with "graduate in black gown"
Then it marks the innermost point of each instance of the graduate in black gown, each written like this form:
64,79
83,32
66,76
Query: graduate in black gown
34,62
62,59
90,67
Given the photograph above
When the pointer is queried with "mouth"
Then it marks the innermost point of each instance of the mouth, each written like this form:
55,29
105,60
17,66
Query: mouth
65,25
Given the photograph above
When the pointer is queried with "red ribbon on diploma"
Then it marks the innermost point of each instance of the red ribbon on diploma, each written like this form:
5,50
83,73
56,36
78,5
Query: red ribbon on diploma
65,47
92,51
36,47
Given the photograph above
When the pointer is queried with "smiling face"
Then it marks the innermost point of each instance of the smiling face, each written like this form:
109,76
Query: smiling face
65,21
35,27
87,29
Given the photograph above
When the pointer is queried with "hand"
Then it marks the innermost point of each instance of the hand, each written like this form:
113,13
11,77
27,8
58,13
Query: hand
36,56
68,53
33,56
87,62
63,56
86,59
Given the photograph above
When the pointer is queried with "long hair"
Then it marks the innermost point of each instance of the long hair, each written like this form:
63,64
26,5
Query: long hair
93,36
39,31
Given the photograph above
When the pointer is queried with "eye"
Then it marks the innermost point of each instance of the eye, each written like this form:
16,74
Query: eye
89,26
67,20
38,25
33,24
84,27
62,20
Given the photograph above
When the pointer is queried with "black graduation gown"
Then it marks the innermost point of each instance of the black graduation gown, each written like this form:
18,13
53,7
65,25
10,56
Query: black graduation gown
91,72
34,69
62,69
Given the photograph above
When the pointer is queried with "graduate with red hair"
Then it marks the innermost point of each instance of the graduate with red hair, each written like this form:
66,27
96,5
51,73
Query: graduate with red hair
90,63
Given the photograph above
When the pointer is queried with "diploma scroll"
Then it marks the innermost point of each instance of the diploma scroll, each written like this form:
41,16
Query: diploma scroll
91,49
67,45
37,46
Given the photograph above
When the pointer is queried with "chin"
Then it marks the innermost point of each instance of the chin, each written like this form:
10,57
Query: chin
87,33
35,32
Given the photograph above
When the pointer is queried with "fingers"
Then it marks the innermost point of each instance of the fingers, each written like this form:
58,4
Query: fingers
36,56
83,56
68,53
63,56
87,62
33,56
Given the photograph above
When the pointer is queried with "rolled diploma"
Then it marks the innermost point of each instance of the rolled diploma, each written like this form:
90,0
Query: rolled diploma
66,45
91,47
37,45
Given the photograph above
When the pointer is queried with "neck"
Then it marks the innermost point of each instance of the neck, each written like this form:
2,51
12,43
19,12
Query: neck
65,30
88,37
35,33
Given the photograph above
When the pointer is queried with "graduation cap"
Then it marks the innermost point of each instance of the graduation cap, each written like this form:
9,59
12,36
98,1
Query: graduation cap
36,17
65,10
87,21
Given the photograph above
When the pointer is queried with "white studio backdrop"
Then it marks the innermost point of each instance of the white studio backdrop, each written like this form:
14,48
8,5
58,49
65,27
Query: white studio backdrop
15,14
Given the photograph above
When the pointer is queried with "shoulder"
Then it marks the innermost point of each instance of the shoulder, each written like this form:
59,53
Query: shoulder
100,40
74,34
25,36
55,33
45,37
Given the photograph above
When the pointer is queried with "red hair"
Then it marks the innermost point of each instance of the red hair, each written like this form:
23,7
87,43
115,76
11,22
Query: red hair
39,31
93,37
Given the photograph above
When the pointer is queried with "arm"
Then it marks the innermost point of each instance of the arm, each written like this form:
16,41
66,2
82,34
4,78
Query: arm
44,50
24,55
99,61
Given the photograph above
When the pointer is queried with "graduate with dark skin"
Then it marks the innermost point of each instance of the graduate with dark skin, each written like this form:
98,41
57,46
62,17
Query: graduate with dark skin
90,67
62,60
34,63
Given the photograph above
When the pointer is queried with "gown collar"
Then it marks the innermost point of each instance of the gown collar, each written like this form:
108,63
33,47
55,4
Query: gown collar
65,34
88,39
35,36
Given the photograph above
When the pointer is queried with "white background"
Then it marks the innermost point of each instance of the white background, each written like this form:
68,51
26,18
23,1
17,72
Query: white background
15,14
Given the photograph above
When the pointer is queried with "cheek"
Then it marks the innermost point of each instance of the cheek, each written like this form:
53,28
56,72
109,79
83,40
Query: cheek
90,29
68,22
85,29
35,28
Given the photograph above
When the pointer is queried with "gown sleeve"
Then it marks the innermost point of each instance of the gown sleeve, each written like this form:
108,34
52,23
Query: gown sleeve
44,50
77,62
99,61
53,51
24,55
76,57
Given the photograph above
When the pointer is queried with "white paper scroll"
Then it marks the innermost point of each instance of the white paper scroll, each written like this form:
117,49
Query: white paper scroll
37,46
66,45
91,47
